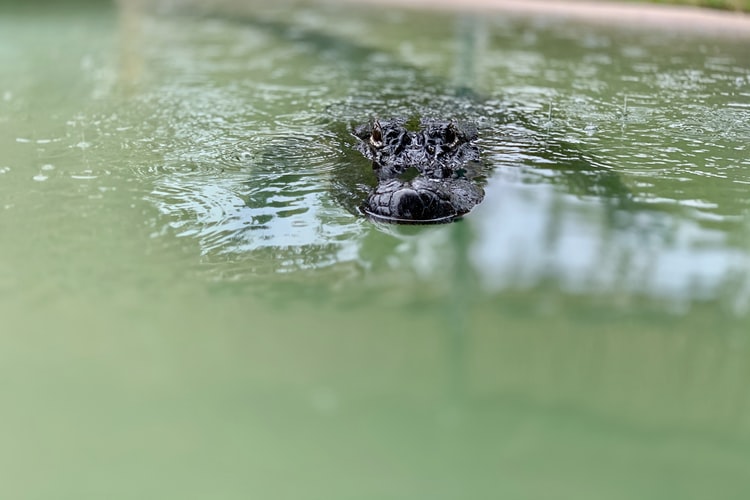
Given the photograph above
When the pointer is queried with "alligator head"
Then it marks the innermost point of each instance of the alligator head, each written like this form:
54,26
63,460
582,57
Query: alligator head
424,175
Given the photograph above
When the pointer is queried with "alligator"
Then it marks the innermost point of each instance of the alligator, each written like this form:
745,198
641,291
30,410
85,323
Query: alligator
424,176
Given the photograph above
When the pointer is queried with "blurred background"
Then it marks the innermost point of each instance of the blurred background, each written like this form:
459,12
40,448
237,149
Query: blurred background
193,307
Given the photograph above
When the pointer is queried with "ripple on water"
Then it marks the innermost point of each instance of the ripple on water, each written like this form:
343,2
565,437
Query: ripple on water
270,206
611,174
270,191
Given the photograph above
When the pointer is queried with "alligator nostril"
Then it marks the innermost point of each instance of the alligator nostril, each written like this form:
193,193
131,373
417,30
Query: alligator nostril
407,204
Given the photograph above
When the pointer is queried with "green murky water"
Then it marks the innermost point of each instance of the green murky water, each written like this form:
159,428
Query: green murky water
192,308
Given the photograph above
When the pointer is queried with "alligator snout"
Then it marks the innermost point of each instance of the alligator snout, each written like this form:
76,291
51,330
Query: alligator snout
419,200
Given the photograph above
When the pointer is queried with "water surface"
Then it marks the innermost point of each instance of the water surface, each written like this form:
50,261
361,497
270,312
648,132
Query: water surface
193,307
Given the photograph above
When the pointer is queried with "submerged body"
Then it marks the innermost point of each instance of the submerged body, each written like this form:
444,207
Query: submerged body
424,176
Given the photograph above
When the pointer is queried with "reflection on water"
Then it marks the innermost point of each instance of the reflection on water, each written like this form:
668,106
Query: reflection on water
187,286
576,244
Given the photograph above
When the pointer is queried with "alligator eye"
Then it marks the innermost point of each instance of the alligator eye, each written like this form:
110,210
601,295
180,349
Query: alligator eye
376,137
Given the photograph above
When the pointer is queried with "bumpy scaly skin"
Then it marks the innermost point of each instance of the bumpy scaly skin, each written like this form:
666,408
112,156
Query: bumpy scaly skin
441,153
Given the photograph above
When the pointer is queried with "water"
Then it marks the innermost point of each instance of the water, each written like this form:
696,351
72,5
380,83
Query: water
193,308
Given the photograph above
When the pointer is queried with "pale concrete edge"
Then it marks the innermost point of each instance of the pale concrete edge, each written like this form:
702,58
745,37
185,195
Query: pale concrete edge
673,18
